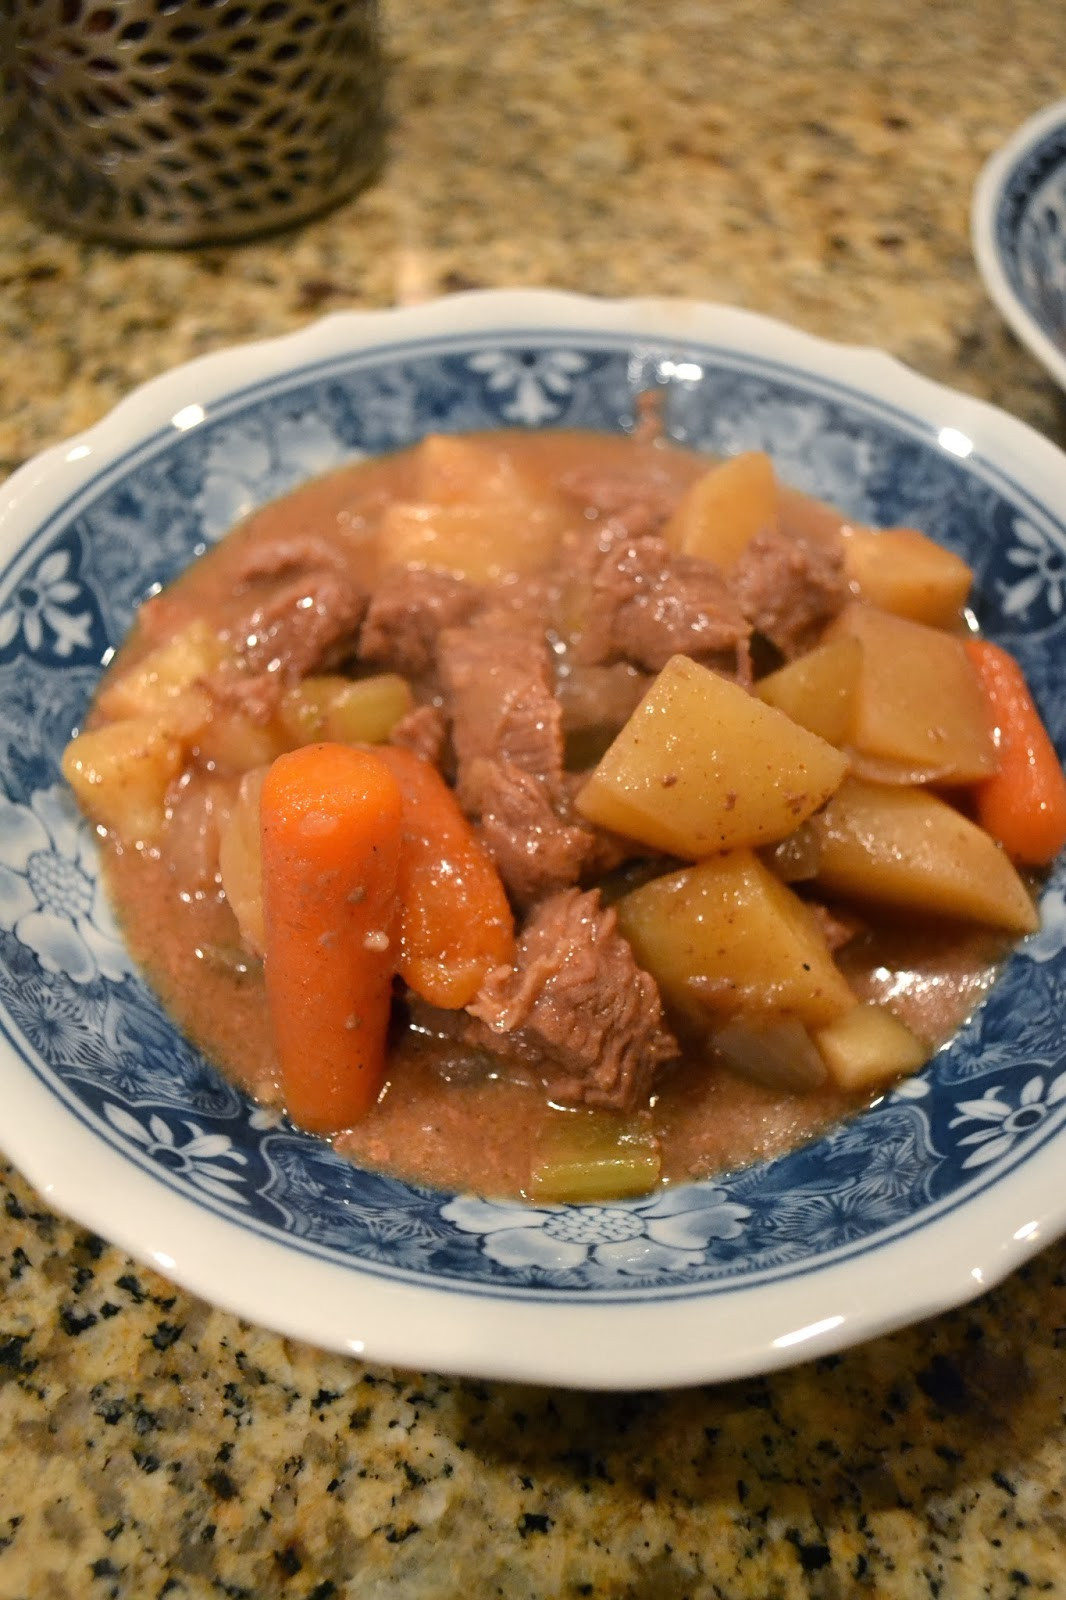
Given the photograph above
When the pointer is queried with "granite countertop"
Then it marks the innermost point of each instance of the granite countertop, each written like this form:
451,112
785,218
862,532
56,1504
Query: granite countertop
812,161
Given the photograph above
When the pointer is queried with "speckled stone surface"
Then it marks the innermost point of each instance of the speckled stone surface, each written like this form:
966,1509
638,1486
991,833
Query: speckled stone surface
813,160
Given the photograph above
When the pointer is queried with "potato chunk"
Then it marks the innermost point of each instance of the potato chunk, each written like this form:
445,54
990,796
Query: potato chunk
817,690
346,710
451,469
120,774
907,847
483,543
723,511
473,514
900,570
703,766
868,1047
725,938
149,687
918,701
231,743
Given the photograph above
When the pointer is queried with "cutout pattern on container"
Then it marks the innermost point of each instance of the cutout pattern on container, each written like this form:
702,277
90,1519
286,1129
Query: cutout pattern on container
170,122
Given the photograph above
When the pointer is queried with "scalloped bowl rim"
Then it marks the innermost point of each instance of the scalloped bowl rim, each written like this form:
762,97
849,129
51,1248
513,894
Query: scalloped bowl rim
988,194
939,1264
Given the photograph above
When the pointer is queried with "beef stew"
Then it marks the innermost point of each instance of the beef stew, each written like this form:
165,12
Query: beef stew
683,772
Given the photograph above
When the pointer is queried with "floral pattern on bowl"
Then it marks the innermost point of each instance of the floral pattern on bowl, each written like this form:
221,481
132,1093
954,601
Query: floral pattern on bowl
244,1208
1019,235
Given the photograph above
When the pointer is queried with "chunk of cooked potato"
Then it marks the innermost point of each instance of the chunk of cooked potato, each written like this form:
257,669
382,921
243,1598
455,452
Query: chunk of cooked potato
907,847
723,510
484,543
120,774
231,743
726,937
472,513
347,710
703,766
454,469
917,701
902,571
149,687
868,1047
817,690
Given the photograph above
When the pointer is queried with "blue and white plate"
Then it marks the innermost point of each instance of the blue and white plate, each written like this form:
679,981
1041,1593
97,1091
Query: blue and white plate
1019,235
948,1183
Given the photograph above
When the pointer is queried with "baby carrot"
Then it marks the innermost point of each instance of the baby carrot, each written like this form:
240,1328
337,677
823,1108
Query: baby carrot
331,822
1024,804
455,922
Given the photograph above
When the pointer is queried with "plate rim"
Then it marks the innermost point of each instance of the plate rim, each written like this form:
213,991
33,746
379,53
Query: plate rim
571,1337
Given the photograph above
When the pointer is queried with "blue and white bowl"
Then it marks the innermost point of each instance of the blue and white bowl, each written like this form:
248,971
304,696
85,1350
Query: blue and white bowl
942,1188
1018,225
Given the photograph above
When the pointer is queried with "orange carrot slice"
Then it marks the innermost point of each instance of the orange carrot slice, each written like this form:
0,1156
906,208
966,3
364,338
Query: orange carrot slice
1024,804
331,825
455,923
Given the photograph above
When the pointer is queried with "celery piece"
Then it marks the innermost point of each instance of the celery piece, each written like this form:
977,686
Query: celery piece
592,1156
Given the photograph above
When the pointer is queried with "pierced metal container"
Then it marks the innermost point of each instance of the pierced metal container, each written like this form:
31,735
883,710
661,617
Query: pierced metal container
178,122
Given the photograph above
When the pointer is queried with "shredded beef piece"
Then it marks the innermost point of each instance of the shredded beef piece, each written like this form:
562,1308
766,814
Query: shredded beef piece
287,553
788,589
648,416
522,604
600,697
508,741
577,1007
604,851
646,604
636,500
497,689
838,928
407,611
425,731
305,624
538,844
534,850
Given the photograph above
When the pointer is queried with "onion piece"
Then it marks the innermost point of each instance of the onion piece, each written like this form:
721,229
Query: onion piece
777,1055
197,808
239,863
797,858
880,769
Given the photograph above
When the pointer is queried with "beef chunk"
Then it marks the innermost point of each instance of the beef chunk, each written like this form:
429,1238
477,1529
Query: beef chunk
305,623
838,927
595,697
536,841
407,611
636,499
308,623
649,423
498,691
508,740
604,851
518,603
284,556
425,731
645,604
576,1007
536,852
788,589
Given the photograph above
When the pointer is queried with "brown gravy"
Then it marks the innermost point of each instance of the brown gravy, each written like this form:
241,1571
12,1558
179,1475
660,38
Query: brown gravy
447,1117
